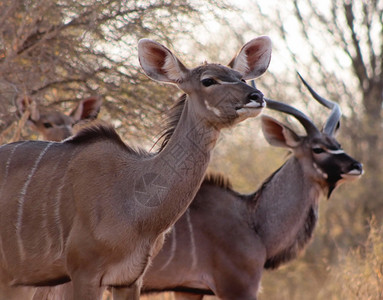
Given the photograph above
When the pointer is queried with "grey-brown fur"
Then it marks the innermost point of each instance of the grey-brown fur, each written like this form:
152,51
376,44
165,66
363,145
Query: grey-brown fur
93,210
234,237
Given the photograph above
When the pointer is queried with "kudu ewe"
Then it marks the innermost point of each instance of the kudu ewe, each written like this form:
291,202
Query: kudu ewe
54,125
225,239
91,209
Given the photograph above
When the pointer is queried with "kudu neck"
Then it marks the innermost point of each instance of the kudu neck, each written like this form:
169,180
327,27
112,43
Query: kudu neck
287,190
183,163
193,134
286,213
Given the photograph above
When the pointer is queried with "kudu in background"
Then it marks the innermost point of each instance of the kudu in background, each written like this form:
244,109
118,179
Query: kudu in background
54,125
225,239
92,210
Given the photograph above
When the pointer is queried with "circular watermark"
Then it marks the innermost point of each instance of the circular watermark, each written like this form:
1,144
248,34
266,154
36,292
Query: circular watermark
150,189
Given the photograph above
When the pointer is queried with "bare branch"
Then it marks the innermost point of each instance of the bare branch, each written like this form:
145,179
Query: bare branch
358,63
367,20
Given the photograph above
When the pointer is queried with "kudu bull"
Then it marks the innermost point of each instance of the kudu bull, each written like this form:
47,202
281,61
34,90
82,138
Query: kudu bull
92,210
225,239
54,125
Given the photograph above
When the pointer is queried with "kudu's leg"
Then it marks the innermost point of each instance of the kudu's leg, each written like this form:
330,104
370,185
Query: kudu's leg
88,292
127,293
187,296
240,291
245,290
240,278
86,288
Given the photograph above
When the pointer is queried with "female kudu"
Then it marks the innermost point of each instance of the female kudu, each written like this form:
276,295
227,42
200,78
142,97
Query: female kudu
225,240
93,210
54,125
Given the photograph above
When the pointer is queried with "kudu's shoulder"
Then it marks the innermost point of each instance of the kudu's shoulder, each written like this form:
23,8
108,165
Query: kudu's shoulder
215,190
218,180
95,132
100,131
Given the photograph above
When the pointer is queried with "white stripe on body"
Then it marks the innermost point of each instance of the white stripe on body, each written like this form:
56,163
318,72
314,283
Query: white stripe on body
7,164
57,202
45,223
3,257
56,214
21,200
45,212
192,241
172,248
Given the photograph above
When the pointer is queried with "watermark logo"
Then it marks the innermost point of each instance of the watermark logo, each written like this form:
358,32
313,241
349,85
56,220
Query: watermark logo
150,189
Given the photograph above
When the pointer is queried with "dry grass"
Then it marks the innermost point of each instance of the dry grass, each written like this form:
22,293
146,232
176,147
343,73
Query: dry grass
359,274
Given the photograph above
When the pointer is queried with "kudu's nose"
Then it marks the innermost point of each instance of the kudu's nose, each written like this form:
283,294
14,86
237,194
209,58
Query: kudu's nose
357,166
257,97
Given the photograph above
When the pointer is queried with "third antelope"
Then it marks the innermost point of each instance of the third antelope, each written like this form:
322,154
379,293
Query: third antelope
225,239
54,125
91,209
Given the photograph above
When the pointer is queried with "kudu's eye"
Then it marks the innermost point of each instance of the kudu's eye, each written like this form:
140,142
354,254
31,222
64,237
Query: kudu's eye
208,82
318,150
47,125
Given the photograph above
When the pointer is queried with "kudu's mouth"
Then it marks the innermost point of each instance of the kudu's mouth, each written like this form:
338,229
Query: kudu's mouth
353,174
250,110
255,103
252,105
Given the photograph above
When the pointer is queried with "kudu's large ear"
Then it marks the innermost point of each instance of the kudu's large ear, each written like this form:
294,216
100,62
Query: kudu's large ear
278,134
254,58
25,103
87,109
159,63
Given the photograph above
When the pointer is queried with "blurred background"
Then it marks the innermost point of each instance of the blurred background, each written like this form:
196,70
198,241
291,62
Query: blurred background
59,52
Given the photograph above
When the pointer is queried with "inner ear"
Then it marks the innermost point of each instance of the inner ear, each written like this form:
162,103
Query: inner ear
156,59
254,58
292,139
87,109
278,134
25,103
159,63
